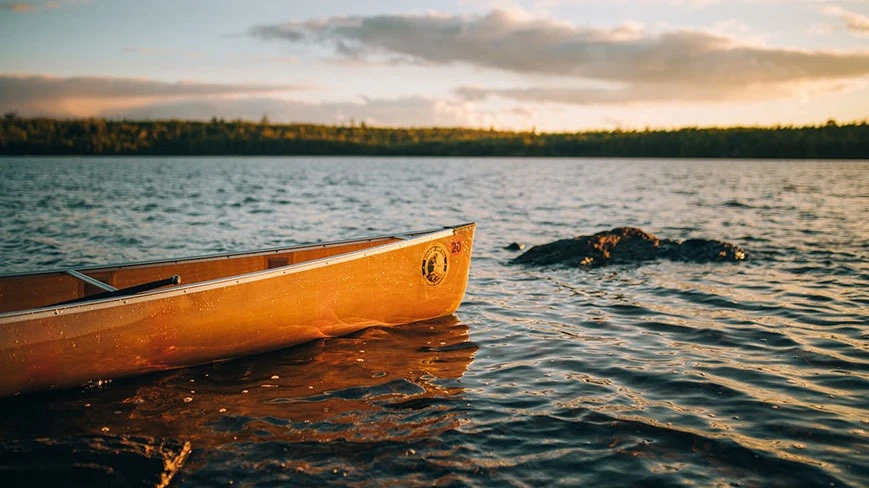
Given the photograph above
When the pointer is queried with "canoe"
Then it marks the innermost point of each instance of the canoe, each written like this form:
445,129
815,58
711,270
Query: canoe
72,327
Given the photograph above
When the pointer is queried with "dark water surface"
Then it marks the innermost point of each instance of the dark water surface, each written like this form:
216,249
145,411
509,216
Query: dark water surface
665,374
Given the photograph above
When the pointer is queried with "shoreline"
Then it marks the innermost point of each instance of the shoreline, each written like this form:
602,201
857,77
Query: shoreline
100,137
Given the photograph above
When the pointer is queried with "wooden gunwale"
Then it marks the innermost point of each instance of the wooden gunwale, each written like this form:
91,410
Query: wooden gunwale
223,255
404,240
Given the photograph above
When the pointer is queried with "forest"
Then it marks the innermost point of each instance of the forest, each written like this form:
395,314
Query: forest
94,136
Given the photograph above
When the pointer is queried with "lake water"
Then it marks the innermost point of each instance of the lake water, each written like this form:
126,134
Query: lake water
662,374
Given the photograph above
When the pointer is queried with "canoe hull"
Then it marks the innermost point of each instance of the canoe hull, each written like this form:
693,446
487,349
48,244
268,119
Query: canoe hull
190,325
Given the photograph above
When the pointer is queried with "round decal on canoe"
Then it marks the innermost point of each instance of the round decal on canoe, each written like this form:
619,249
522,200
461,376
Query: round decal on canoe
434,264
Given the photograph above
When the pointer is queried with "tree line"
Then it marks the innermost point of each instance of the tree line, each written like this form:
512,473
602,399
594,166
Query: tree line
95,136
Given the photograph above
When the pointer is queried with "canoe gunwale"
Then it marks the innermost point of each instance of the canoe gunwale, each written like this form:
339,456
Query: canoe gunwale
252,252
405,240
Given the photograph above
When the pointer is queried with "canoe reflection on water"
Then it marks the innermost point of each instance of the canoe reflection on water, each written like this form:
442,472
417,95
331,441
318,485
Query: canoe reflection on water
366,387
343,382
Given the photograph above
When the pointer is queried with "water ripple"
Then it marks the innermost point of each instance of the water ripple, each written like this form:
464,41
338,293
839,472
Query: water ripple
669,374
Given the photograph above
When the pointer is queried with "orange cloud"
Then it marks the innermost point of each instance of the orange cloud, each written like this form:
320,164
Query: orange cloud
20,7
92,95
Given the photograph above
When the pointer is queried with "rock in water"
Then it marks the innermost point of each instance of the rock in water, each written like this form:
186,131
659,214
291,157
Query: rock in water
627,245
704,250
515,246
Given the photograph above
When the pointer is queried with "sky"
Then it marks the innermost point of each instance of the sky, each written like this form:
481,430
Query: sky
545,65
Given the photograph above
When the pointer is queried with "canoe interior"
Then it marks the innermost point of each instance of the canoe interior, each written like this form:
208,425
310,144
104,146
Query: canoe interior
28,291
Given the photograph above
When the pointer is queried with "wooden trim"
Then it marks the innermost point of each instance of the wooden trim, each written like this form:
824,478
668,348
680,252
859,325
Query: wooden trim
197,287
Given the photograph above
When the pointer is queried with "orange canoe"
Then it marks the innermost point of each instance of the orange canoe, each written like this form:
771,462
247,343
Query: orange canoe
70,327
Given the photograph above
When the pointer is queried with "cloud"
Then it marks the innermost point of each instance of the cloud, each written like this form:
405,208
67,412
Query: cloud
37,95
407,111
691,3
19,7
855,23
88,95
637,93
705,65
22,7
